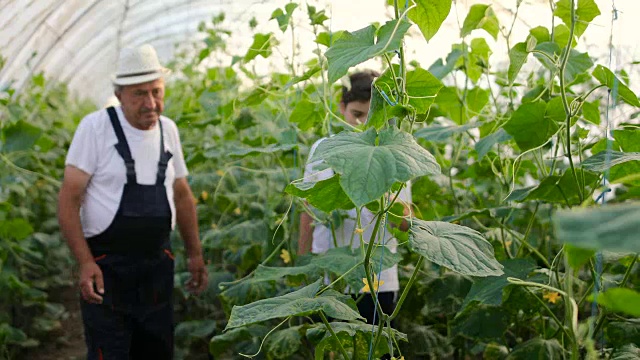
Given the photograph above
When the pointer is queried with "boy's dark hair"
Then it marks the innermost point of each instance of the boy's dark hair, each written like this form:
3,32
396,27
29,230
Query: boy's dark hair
360,87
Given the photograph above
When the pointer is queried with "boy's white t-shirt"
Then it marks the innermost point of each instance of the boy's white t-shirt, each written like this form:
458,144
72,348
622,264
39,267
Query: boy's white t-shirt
323,238
93,151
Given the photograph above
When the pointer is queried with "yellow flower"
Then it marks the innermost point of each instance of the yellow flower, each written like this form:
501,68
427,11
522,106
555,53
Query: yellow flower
376,284
204,195
220,173
508,243
286,256
237,211
551,296
214,226
359,231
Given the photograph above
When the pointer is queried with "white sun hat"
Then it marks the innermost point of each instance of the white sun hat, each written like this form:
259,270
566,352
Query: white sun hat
138,65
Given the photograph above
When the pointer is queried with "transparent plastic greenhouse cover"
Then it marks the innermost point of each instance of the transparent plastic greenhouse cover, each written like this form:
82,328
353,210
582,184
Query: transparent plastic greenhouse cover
78,41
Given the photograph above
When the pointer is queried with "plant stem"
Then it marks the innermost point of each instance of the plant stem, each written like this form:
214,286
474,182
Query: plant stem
405,292
367,260
563,93
326,323
551,313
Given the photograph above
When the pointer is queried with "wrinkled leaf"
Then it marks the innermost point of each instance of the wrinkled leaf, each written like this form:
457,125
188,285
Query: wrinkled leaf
442,133
369,165
456,247
604,160
301,302
354,48
537,349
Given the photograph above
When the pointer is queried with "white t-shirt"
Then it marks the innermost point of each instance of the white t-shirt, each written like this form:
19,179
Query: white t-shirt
92,151
323,239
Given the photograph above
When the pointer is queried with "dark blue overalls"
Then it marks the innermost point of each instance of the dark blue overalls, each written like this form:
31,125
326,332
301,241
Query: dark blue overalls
135,319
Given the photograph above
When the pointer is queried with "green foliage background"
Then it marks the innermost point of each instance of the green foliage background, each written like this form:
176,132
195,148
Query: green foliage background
500,260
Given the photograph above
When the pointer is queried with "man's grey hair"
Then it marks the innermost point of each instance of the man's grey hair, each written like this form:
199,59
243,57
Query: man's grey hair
117,88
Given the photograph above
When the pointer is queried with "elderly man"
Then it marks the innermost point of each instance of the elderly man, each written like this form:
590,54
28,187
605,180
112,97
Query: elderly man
124,189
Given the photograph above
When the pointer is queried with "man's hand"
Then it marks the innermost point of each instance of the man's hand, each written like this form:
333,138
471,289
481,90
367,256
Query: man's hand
199,276
91,274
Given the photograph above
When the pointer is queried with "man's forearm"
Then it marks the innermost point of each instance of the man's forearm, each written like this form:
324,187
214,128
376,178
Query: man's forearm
306,235
71,228
187,219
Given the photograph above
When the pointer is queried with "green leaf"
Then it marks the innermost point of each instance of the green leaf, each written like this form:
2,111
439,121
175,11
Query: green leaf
426,340
591,111
284,18
262,45
356,334
306,114
325,195
486,143
627,352
577,257
622,300
537,349
194,329
354,48
529,127
481,322
378,110
301,302
456,247
611,227
422,87
481,17
618,88
517,57
219,344
282,344
555,110
556,189
369,165
605,160
442,133
20,136
620,333
491,290
587,10
541,34
577,64
429,15
16,229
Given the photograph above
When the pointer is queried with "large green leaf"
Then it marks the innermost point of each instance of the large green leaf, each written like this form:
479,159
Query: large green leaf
219,344
456,247
187,331
429,15
422,88
622,300
481,16
611,227
623,332
20,136
301,302
491,290
354,48
325,195
537,349
577,64
587,10
15,229
604,160
529,126
269,149
450,103
610,80
369,163
306,114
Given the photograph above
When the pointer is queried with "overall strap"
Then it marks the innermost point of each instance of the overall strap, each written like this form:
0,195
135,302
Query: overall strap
164,158
122,146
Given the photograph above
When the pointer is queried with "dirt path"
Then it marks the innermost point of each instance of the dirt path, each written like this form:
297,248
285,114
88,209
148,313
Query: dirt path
68,342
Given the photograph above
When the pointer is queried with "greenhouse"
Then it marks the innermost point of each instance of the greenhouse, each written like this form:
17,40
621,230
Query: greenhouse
366,179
